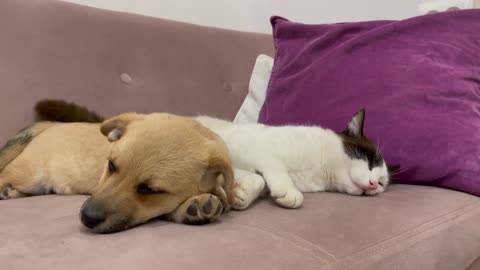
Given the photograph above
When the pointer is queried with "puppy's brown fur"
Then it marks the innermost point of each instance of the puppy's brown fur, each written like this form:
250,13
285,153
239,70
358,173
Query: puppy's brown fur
163,165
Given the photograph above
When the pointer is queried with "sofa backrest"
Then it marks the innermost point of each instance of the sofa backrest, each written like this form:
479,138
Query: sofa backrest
116,62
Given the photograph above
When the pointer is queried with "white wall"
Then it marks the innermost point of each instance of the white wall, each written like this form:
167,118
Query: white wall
330,11
221,13
253,15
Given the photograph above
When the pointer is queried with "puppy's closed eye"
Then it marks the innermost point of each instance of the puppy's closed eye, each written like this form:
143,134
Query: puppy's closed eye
111,167
144,189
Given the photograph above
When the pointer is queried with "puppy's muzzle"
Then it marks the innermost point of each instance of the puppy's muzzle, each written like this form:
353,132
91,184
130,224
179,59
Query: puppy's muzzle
92,214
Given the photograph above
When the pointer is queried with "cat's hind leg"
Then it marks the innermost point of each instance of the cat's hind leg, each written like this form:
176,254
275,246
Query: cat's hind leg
282,189
248,187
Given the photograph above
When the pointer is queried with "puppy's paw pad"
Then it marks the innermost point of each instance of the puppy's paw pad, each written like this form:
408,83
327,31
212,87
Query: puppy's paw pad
193,209
203,209
8,192
210,206
291,199
207,207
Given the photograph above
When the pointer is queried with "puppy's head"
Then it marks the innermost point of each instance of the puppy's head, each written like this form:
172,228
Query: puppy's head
156,163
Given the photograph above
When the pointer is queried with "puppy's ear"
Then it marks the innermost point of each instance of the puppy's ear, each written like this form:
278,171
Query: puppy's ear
115,127
355,126
219,164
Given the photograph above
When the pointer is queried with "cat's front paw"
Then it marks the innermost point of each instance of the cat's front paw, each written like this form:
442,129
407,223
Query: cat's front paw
291,198
246,190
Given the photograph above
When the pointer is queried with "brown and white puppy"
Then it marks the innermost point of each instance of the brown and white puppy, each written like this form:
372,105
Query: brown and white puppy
154,165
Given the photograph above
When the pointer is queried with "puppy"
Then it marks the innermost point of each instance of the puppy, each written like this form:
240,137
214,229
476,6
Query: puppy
150,166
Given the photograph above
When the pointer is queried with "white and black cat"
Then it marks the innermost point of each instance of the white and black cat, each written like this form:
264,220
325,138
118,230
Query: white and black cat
296,159
288,159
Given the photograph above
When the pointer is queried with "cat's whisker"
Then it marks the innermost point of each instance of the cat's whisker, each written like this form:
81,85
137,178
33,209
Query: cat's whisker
394,175
379,148
397,172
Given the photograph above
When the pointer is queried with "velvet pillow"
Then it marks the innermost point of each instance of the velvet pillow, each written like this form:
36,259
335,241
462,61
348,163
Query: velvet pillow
418,79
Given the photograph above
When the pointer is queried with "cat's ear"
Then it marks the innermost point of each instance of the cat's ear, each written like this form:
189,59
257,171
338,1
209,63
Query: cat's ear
355,126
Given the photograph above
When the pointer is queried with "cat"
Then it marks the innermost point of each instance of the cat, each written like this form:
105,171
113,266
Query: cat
285,160
295,159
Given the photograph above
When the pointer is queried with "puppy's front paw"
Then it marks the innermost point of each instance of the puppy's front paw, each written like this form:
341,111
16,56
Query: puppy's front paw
246,190
199,210
291,198
8,192
203,209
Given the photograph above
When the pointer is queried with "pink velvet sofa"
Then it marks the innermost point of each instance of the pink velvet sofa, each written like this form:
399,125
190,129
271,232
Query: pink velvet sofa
115,62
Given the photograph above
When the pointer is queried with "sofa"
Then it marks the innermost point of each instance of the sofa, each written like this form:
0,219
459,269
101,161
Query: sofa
116,62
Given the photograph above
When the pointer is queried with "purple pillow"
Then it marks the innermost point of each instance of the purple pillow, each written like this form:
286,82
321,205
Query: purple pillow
419,80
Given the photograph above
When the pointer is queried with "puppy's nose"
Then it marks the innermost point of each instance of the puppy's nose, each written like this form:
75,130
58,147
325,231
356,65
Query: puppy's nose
373,184
92,216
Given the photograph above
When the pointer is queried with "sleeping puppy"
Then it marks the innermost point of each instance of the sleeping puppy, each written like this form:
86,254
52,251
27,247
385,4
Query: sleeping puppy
150,166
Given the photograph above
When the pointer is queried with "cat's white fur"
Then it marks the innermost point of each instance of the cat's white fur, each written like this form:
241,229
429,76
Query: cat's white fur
292,160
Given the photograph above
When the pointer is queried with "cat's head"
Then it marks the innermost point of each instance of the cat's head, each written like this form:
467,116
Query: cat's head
368,171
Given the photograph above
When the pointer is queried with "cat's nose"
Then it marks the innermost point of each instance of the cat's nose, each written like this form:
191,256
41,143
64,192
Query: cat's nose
373,184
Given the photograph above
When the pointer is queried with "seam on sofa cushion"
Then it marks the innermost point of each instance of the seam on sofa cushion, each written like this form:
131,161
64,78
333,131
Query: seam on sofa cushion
313,250
475,264
427,225
411,237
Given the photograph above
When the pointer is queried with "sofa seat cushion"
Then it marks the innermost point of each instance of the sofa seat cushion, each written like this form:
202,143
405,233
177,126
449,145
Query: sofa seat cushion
408,227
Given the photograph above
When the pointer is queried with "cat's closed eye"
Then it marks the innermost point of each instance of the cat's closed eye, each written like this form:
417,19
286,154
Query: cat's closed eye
381,181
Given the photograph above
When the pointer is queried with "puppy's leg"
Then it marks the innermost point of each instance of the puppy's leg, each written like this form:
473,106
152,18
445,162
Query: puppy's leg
282,188
9,187
8,192
248,187
198,210
20,181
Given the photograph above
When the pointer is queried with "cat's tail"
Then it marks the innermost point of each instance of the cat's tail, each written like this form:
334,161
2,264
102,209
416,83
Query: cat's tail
62,111
15,146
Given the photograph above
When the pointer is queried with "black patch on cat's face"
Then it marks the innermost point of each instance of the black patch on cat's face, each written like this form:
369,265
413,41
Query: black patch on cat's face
362,148
358,146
